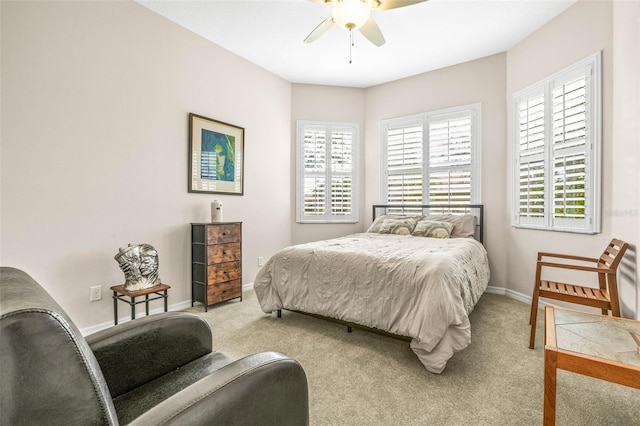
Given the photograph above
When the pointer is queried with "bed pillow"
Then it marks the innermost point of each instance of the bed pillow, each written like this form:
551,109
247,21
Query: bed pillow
375,226
464,225
397,226
432,229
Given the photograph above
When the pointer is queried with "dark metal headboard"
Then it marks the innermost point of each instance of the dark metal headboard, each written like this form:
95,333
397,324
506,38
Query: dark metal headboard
426,209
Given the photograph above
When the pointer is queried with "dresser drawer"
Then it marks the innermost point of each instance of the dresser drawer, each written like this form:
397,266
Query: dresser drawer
216,262
223,253
221,234
223,272
224,291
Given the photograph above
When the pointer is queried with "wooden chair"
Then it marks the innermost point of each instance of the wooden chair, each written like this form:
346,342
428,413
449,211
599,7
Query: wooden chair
605,297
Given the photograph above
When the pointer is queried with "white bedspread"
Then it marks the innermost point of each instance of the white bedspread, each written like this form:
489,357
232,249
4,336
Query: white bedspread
422,288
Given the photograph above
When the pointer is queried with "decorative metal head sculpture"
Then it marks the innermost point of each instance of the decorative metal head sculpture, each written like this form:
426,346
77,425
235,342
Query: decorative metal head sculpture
139,262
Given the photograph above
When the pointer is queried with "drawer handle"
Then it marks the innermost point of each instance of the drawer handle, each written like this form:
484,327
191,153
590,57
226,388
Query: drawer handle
224,253
224,233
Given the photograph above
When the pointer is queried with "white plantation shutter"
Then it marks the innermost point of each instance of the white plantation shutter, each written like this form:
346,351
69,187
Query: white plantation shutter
327,169
569,152
556,148
342,168
315,194
404,164
530,180
430,158
450,187
315,170
450,160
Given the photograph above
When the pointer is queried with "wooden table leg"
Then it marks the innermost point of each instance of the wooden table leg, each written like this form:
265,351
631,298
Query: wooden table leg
146,304
166,305
133,308
550,375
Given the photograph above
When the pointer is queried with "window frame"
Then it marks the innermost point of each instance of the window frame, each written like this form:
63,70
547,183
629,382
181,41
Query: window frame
591,69
424,119
328,217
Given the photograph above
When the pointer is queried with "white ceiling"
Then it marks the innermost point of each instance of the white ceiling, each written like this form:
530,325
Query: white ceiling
419,38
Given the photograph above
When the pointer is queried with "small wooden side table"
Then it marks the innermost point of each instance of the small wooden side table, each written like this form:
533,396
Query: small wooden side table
590,344
119,293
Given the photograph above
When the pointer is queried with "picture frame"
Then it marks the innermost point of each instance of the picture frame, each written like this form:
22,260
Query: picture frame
216,156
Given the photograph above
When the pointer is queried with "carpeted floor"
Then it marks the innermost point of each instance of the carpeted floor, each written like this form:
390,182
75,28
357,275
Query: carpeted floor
363,378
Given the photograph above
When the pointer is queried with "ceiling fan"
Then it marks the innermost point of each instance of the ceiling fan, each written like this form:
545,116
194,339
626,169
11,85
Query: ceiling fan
356,15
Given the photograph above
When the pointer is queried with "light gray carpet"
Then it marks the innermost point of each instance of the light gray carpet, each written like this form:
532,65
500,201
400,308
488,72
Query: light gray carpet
363,378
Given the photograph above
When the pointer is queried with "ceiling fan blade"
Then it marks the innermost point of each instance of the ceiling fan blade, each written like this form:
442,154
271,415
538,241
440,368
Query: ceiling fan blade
322,1
319,30
394,4
372,32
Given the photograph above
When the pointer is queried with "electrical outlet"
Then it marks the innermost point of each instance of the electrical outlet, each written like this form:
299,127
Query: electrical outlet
95,293
260,261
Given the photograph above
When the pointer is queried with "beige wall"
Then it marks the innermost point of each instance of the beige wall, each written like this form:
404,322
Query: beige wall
95,97
480,81
95,103
583,29
325,103
625,205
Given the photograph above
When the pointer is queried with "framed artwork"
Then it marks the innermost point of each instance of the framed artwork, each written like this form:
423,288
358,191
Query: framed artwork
216,156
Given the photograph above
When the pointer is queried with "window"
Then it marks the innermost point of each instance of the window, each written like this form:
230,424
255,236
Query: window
556,148
432,158
327,173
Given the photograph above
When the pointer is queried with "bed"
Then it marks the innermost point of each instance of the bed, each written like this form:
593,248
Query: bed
396,277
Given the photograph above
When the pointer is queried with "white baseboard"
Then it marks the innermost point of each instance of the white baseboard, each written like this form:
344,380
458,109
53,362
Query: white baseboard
173,307
495,290
95,328
187,303
508,292
516,295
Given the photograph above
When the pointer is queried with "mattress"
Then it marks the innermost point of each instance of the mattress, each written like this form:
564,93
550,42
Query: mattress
417,287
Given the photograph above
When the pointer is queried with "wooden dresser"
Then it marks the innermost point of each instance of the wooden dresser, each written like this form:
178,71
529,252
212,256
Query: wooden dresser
216,262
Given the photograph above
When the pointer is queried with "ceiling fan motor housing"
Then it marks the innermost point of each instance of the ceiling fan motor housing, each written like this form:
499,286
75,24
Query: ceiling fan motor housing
356,15
351,14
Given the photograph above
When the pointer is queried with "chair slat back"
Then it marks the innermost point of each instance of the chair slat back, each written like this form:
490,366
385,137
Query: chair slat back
613,254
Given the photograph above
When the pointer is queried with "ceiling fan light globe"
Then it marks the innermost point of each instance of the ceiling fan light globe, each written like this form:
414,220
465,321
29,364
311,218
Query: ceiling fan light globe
351,14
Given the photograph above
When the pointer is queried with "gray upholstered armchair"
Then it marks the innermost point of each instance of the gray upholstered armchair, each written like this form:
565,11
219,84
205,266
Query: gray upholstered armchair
156,370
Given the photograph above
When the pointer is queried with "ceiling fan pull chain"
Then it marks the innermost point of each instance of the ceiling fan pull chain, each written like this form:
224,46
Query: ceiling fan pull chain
350,43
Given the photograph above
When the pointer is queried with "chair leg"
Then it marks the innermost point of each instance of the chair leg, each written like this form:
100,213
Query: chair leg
613,296
531,313
602,283
536,292
533,317
534,303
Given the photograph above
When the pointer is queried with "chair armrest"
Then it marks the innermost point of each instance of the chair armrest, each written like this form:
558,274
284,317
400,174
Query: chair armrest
266,388
136,352
566,256
575,267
